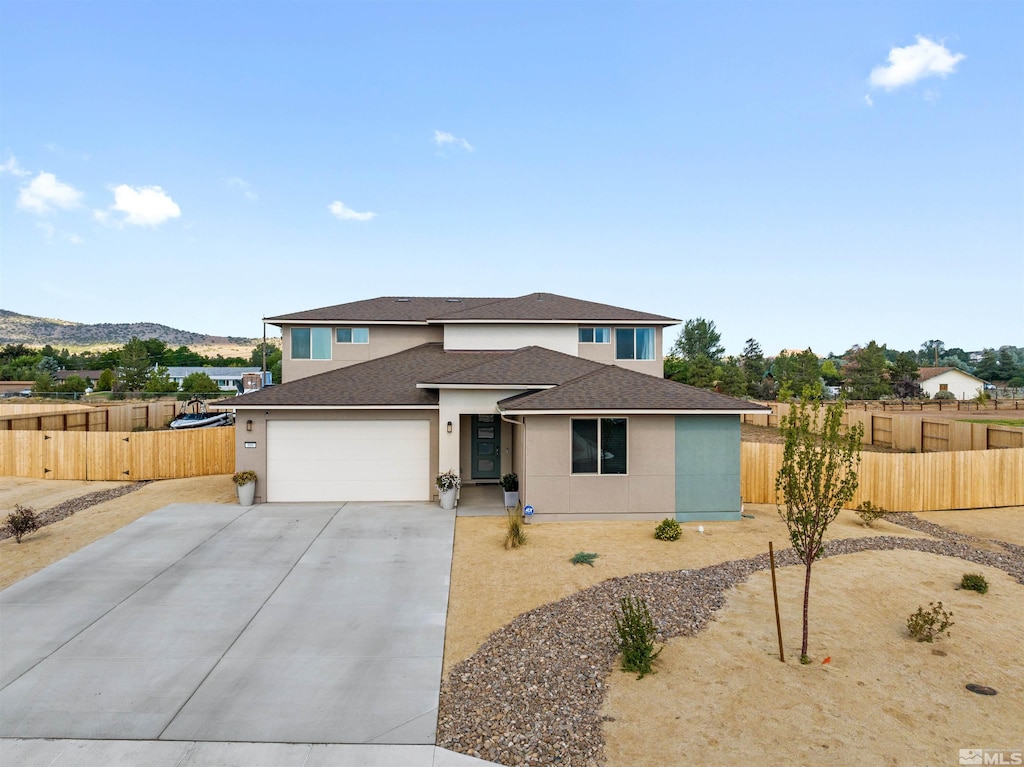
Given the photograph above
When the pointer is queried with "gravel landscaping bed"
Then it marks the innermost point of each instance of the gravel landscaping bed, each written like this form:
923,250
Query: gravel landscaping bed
533,692
67,508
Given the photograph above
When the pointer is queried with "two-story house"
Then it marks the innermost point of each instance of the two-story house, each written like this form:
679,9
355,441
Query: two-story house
379,396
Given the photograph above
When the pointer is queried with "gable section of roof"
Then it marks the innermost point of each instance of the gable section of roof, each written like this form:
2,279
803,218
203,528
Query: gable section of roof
401,309
531,365
382,382
925,373
614,388
550,307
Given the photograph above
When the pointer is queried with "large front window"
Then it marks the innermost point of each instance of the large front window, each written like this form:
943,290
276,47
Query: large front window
311,343
634,343
599,446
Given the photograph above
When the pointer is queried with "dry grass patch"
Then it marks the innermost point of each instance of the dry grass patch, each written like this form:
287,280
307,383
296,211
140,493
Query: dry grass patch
1005,524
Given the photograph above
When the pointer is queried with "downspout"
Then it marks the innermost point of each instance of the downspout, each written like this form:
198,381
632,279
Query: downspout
522,425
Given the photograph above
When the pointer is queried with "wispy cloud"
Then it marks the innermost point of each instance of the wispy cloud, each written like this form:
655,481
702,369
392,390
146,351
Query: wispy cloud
344,213
925,58
45,193
244,186
443,139
142,206
868,100
11,166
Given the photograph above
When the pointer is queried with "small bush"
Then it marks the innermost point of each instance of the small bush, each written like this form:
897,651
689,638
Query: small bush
21,522
868,512
668,530
925,625
583,558
636,636
943,395
974,582
243,477
515,532
509,482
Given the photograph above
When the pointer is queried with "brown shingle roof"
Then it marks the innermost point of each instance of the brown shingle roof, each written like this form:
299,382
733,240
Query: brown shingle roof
615,388
534,307
533,365
925,373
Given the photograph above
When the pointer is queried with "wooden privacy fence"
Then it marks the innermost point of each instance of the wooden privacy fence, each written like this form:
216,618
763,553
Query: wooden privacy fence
117,455
126,417
906,482
913,432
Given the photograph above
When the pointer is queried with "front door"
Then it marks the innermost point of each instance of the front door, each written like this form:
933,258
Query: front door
486,447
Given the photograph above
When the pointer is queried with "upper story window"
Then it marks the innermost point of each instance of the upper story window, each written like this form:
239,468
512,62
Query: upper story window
595,335
353,335
599,446
634,343
311,343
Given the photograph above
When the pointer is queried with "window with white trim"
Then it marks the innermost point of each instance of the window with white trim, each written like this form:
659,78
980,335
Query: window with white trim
311,343
634,343
352,335
599,445
595,335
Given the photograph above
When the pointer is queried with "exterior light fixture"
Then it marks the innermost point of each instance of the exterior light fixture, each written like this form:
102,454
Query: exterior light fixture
248,425
449,427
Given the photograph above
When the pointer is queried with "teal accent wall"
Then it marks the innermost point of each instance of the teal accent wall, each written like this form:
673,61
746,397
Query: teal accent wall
707,467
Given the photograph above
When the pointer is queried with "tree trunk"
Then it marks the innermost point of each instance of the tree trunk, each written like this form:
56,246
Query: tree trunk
807,594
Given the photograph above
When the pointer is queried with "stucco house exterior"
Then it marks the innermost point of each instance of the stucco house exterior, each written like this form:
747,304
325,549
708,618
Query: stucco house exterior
380,396
959,383
227,379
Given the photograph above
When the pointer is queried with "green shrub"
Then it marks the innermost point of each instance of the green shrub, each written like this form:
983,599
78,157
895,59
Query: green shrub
868,512
21,522
668,530
924,625
974,582
943,395
515,531
636,636
583,558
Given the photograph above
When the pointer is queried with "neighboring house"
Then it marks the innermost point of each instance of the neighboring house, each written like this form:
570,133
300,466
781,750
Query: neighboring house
227,379
89,375
960,383
568,394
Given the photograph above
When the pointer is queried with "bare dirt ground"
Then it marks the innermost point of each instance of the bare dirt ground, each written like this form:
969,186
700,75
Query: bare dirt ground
721,696
771,434
56,541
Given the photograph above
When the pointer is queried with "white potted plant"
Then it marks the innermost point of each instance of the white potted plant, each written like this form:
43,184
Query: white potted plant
245,484
510,484
448,485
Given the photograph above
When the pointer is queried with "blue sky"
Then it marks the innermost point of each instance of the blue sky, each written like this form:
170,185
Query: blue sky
808,174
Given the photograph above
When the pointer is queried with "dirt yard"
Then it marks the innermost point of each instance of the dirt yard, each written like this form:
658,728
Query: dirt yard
721,696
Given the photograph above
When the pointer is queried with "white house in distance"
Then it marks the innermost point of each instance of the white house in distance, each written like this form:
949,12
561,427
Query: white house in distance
959,383
227,379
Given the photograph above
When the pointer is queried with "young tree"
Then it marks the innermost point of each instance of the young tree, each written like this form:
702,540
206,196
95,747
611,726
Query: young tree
753,365
199,383
699,337
818,477
107,380
160,382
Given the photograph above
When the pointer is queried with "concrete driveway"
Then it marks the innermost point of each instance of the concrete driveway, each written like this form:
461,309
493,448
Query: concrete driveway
282,623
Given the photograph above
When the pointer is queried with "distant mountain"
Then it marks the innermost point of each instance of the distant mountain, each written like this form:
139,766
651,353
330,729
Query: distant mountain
38,331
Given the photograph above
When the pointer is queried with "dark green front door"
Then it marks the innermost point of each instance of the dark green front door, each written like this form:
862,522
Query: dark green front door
486,446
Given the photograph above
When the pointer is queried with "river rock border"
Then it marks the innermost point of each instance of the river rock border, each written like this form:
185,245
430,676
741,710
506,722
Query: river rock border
67,508
532,693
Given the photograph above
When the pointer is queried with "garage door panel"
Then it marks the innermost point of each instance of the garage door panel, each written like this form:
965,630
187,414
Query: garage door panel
348,460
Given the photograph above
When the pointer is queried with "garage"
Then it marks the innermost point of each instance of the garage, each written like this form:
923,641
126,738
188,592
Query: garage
332,461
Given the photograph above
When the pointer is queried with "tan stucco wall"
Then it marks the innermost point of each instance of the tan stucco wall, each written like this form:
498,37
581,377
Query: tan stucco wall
255,459
384,340
605,353
647,492
454,404
561,338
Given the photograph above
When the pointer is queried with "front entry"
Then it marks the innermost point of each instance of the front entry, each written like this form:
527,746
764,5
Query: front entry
486,447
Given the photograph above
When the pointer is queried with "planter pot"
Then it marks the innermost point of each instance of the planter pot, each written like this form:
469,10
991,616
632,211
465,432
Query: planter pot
511,498
246,493
448,499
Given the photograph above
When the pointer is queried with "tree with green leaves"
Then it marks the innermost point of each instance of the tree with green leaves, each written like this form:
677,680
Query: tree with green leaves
698,337
75,384
931,352
199,383
796,372
730,378
106,381
867,372
987,368
159,382
904,374
817,479
133,366
753,365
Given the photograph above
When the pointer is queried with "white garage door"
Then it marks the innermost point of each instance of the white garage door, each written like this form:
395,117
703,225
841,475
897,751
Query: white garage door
348,461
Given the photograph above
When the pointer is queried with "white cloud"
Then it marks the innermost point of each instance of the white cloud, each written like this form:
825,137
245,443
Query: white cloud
74,239
343,213
443,138
142,206
906,66
245,186
44,193
12,167
868,100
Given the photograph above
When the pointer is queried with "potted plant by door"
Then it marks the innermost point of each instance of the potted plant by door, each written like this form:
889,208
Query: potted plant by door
510,484
245,484
448,485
